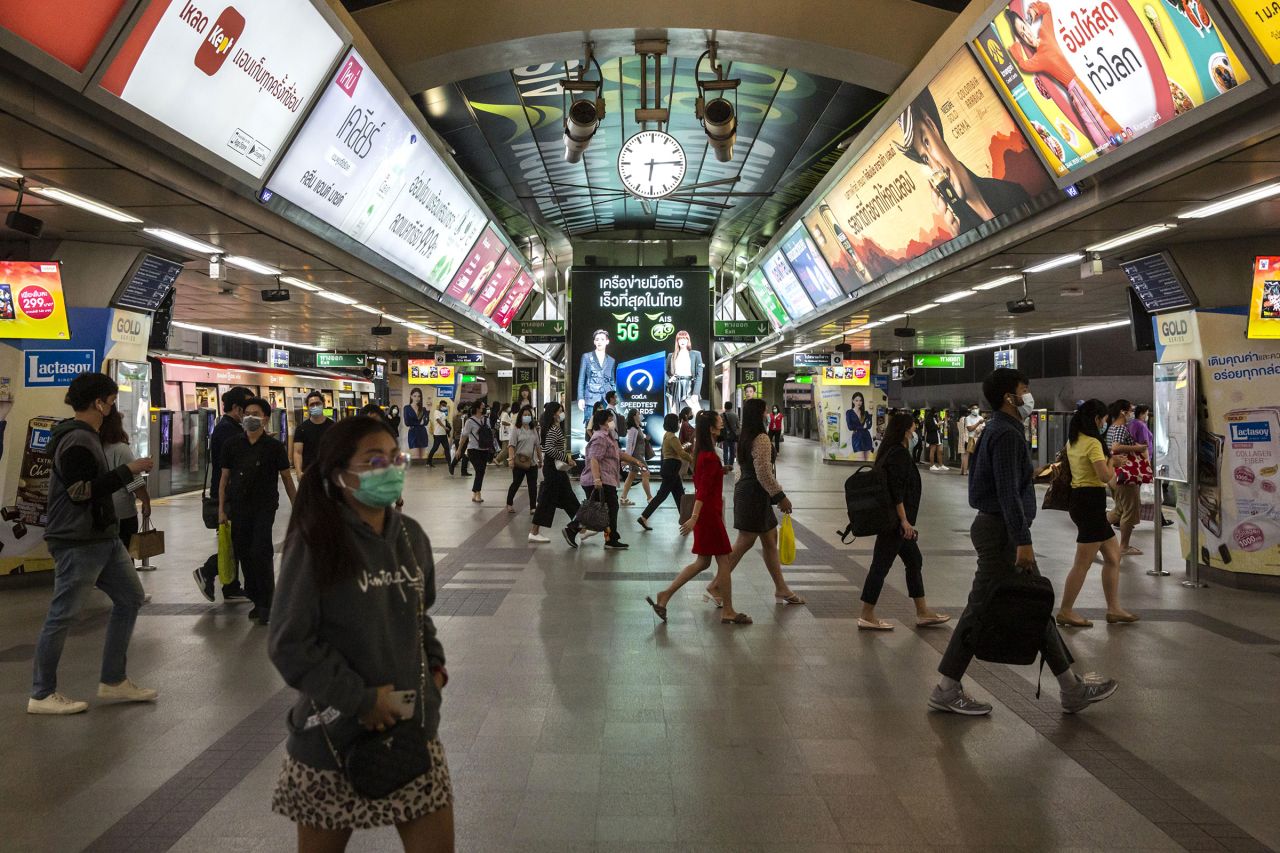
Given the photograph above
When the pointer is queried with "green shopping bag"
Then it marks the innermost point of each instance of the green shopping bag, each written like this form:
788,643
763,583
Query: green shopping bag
226,555
787,541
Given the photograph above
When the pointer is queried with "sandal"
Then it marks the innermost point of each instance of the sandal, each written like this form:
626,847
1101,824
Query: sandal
1131,552
878,625
626,502
657,608
714,599
740,619
789,599
935,619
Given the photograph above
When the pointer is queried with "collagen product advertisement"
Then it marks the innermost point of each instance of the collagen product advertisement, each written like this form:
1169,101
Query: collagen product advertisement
953,160
1088,77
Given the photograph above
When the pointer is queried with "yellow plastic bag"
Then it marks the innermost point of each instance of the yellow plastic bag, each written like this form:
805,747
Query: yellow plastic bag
226,555
787,541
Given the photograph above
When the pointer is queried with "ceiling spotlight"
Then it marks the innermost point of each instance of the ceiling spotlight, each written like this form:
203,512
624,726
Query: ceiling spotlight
719,117
581,115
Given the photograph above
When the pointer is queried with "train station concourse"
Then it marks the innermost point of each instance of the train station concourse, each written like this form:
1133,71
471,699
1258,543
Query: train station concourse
679,426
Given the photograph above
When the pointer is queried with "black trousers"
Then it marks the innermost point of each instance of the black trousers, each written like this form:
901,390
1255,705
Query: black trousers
458,457
437,442
996,554
479,461
530,476
557,493
671,485
610,496
128,527
776,438
251,537
888,546
730,452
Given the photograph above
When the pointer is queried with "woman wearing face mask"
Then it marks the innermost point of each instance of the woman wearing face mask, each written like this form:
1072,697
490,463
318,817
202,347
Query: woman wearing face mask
1091,472
351,633
674,457
775,425
115,446
393,422
1120,442
637,447
970,428
523,456
557,491
415,421
600,474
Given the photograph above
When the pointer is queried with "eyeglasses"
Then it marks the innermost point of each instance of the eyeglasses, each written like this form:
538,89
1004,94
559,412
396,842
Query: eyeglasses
381,463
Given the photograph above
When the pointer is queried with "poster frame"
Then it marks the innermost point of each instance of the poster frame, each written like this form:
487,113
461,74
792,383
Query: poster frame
32,55
1255,49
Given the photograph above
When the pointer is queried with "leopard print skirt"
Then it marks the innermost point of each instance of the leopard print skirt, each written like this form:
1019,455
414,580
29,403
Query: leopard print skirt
323,799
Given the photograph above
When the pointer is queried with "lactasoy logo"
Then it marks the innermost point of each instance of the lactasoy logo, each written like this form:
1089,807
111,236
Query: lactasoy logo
1250,432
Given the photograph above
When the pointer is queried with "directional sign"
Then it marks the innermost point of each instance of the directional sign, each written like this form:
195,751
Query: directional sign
741,331
811,359
948,361
340,359
539,328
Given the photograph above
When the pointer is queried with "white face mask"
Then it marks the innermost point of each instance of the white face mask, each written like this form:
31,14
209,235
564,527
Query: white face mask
560,416
1027,406
526,420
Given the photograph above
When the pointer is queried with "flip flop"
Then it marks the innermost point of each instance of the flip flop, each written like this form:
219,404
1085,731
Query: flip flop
716,600
878,625
791,599
657,608
935,619
740,619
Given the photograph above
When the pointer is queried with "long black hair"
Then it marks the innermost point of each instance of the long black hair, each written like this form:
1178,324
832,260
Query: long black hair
1085,420
895,430
549,412
317,518
752,425
702,438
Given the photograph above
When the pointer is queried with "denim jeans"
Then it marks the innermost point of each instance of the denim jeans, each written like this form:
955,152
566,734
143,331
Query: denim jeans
76,571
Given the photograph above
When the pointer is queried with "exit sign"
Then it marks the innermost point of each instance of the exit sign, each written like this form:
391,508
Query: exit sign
539,331
741,331
340,359
947,361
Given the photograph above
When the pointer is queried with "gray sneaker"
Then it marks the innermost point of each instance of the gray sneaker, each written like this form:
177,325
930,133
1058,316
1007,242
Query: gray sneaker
956,701
1085,693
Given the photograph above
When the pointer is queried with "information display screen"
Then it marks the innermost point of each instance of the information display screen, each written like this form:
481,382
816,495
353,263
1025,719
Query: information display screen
852,372
31,302
363,167
1158,284
147,283
643,333
790,292
233,79
1264,305
425,371
810,268
766,299
1088,77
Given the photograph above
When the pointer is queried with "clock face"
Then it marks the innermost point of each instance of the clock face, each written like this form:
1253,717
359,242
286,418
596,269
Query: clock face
651,164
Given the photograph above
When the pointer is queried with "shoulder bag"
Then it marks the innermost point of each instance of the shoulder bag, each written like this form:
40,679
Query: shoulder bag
208,503
594,513
1059,495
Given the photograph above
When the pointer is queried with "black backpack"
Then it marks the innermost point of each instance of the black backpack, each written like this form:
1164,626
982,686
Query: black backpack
1010,627
866,498
485,436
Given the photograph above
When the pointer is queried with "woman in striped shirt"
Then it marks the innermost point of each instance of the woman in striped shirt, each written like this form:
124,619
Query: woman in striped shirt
556,490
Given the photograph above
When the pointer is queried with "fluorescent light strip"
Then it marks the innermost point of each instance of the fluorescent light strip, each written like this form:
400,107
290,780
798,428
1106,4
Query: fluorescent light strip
804,348
1232,202
920,309
393,318
1130,237
336,297
1054,263
241,262
892,318
177,238
998,282
104,210
955,297
212,331
368,309
1078,330
299,283
6,172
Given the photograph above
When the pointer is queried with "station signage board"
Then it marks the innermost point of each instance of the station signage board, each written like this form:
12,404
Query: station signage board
744,331
811,359
1158,284
232,79
539,331
943,361
1006,358
472,358
278,357
361,165
147,283
340,359
31,301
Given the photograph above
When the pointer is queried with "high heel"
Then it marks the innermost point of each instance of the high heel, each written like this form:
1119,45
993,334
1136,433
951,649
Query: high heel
789,599
718,602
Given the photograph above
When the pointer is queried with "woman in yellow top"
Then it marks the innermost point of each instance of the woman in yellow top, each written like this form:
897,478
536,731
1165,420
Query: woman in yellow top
673,457
1091,471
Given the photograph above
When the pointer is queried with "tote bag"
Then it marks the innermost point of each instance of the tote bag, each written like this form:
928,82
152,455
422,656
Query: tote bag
787,541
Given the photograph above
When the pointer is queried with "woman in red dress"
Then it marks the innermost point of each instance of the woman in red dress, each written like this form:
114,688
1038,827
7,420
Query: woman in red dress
710,539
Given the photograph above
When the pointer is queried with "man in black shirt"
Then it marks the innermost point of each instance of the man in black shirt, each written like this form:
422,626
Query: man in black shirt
233,403
249,498
306,438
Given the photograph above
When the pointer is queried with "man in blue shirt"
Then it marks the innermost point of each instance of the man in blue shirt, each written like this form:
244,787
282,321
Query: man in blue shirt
1000,489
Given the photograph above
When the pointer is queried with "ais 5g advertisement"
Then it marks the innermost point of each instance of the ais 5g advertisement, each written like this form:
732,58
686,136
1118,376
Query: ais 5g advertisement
643,333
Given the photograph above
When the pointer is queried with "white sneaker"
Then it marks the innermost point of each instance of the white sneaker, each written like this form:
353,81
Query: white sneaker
943,468
933,468
127,691
56,704
538,537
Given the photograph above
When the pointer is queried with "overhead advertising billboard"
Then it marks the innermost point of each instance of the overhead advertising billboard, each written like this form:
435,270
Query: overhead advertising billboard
766,299
513,300
425,371
1264,306
790,292
644,333
851,372
1088,77
31,302
953,160
477,267
1262,19
234,80
363,167
496,285
68,30
810,268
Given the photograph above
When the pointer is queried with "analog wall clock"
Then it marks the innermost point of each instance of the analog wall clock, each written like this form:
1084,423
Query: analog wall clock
651,164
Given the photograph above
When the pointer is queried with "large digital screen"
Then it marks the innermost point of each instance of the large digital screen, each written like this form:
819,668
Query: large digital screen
810,268
425,371
513,300
31,302
851,372
1264,305
362,166
477,267
68,30
644,333
1088,77
232,79
766,299
790,292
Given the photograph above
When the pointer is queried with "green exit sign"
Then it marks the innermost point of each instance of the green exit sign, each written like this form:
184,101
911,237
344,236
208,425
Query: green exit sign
538,328
340,359
741,330
948,361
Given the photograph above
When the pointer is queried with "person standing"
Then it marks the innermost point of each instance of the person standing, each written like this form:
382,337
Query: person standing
227,428
710,539
557,491
477,445
674,458
116,449
917,444
1001,490
933,440
415,423
1091,472
248,498
440,429
596,375
505,420
603,465
970,428
352,627
460,415
902,478
1120,442
84,540
394,420
524,457
729,434
637,448
306,438
776,424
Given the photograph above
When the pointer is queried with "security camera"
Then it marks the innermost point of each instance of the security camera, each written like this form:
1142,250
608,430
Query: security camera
721,126
904,332
580,124
1020,306
380,331
277,294
22,222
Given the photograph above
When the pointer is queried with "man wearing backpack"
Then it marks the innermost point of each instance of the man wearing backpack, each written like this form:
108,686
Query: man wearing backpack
1000,490
729,435
478,444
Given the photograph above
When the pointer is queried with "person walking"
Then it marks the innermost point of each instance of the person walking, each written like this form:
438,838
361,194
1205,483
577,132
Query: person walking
918,445
637,448
557,490
504,422
440,429
227,428
248,498
686,440
1091,472
902,478
776,424
460,415
84,540
674,457
710,539
307,437
352,632
600,474
116,449
729,434
394,419
970,428
755,494
933,441
478,446
1120,442
524,456
415,424
1001,490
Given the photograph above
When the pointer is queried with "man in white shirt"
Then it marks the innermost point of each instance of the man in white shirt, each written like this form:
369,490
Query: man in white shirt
440,434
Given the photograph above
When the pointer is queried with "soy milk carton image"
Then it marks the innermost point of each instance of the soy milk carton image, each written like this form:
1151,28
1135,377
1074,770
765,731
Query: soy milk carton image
1253,466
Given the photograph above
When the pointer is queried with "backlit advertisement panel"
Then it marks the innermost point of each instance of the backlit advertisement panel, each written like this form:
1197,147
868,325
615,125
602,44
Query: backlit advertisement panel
233,79
643,333
1088,76
786,285
475,270
362,166
497,285
68,30
513,300
1262,19
765,299
851,372
1264,305
425,371
809,267
31,301
951,161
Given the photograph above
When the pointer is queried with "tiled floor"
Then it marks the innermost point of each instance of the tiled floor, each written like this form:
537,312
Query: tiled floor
574,720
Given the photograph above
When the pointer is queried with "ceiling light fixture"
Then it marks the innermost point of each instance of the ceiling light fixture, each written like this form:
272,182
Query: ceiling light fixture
920,309
241,262
1078,330
299,283
368,309
246,337
10,174
892,317
1232,202
88,204
998,282
177,238
955,297
1130,237
338,297
1054,263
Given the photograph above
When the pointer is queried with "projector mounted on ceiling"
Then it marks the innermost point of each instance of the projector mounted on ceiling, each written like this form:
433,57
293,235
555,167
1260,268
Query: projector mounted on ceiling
1025,305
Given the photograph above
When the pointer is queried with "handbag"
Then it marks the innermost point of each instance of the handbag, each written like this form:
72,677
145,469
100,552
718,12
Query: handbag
593,514
226,555
648,449
147,542
524,461
787,541
687,501
208,504
1134,470
1059,494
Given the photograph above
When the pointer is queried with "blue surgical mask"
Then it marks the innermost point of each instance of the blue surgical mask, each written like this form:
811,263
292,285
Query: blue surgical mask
316,411
526,420
379,487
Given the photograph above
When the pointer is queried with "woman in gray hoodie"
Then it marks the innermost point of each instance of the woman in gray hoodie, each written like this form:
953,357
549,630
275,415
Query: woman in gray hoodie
350,631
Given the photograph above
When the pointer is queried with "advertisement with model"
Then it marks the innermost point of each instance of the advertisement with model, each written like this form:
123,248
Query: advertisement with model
643,333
